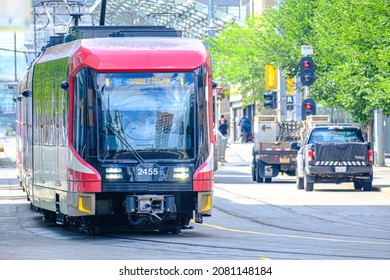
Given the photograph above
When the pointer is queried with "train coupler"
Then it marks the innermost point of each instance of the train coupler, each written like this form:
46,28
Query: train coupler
150,204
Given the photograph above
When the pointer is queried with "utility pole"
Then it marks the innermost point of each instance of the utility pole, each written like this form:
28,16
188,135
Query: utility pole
282,96
103,13
15,57
379,139
211,19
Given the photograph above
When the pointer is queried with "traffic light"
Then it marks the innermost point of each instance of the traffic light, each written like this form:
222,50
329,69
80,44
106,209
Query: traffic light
306,69
290,86
308,108
220,95
271,77
270,99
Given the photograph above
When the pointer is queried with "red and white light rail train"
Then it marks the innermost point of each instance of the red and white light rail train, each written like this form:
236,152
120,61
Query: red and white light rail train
118,130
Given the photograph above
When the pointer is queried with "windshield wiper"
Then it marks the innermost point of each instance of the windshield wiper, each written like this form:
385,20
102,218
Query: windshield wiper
126,143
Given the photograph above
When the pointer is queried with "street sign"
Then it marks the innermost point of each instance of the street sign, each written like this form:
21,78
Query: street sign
306,50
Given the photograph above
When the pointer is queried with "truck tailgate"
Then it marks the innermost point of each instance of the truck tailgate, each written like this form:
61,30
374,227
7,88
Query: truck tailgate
341,152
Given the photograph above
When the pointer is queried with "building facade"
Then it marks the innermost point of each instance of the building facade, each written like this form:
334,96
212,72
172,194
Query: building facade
232,107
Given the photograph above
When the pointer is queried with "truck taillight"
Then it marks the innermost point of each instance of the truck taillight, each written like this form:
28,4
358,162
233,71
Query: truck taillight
370,156
310,156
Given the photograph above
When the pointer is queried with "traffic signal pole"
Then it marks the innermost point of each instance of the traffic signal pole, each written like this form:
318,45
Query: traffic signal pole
307,75
306,92
379,138
281,97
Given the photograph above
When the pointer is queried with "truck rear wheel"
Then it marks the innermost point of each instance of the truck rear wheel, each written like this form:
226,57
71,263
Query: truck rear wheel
256,172
367,186
300,183
357,185
258,178
307,185
361,184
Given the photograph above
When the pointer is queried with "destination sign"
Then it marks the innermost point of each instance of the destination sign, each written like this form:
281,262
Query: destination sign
149,81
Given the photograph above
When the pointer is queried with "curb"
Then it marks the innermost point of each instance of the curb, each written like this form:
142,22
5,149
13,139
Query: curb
379,189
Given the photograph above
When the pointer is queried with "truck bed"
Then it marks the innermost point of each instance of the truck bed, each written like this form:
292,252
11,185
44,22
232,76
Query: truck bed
280,153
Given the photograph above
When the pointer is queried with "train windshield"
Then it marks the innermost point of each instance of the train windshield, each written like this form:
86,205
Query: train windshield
146,115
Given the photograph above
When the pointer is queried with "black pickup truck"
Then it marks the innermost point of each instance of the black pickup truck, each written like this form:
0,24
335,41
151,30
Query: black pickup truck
334,154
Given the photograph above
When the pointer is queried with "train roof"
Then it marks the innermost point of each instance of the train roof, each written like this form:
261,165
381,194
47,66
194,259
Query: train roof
131,54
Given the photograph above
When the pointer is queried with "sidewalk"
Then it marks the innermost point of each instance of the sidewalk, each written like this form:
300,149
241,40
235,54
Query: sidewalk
238,154
8,145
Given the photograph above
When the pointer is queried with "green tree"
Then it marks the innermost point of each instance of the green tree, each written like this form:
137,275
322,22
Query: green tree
238,59
350,39
352,51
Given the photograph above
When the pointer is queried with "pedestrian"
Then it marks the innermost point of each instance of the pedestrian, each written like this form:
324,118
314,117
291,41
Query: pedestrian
245,128
223,118
223,127
222,143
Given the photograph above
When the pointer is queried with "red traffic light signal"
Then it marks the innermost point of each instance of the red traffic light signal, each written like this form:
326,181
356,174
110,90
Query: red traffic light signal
306,68
308,108
306,64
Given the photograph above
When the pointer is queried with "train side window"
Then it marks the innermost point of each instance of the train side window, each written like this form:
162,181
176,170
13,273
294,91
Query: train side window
91,118
79,112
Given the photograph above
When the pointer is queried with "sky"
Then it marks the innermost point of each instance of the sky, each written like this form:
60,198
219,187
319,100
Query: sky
7,40
7,59
15,15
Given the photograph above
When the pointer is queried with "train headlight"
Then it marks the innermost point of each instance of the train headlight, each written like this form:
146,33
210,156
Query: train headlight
114,176
181,173
113,173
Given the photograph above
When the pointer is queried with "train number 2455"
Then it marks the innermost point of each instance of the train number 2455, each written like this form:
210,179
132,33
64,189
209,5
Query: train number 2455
147,171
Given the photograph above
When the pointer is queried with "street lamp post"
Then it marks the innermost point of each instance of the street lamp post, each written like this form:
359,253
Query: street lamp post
211,19
379,139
